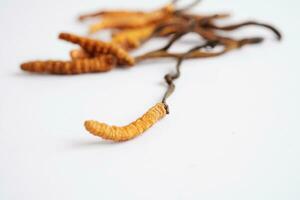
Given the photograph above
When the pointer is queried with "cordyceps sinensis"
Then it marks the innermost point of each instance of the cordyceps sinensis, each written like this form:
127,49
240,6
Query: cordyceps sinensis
97,47
122,19
128,20
169,8
124,133
101,63
131,29
152,116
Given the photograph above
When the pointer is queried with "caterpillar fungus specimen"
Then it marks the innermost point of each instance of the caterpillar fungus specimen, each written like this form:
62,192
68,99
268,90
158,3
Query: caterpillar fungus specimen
130,131
131,30
127,20
97,47
101,63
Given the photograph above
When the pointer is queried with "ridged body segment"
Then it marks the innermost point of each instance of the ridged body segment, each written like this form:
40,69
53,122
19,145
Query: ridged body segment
130,131
97,47
79,66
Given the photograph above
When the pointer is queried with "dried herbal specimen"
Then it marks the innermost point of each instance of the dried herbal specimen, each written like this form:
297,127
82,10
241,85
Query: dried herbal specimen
131,29
102,63
97,47
130,131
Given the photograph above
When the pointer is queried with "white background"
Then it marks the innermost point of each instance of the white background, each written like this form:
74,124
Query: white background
233,132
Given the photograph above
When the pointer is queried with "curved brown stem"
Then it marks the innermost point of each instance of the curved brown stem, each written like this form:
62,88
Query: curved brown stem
170,78
248,23
228,44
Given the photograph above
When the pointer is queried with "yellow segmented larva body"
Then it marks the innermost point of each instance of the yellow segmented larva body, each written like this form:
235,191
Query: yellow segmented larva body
133,21
130,131
97,47
133,38
99,64
111,22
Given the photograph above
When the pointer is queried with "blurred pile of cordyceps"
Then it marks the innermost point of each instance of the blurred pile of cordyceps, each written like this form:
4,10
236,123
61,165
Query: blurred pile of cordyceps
129,31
